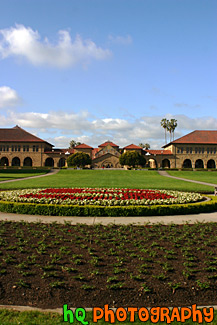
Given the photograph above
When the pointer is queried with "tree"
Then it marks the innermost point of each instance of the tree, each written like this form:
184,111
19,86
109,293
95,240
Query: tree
79,159
165,124
173,124
132,159
145,146
73,144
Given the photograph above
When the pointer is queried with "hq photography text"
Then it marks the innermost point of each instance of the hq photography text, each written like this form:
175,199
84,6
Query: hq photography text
143,314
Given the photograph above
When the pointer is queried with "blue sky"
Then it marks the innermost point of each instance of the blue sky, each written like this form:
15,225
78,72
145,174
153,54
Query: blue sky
108,69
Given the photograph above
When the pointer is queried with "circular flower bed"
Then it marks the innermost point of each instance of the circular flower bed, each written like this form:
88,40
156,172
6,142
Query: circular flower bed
100,196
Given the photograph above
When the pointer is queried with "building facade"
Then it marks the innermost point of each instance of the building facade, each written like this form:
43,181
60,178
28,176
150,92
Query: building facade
19,148
197,149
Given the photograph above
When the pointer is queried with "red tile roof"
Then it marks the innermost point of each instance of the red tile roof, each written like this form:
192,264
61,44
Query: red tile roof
132,146
83,146
108,143
70,150
17,134
60,151
159,152
95,150
197,137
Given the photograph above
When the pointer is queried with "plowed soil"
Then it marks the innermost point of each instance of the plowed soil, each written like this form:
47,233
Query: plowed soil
48,265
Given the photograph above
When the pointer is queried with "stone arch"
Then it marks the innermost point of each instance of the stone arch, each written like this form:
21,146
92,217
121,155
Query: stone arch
62,162
4,161
27,162
211,164
16,161
166,163
199,163
152,163
117,165
49,162
107,164
187,163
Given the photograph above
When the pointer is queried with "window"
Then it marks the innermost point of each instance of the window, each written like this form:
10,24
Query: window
196,149
178,150
189,150
202,150
182,149
15,148
207,150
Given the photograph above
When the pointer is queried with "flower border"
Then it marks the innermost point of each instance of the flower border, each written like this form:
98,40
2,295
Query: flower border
91,196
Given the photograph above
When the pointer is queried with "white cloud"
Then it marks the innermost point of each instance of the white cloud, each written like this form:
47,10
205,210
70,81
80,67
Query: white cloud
20,41
123,40
8,97
60,127
77,123
111,124
185,105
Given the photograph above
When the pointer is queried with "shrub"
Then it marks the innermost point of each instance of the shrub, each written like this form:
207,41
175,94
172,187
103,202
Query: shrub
79,159
111,211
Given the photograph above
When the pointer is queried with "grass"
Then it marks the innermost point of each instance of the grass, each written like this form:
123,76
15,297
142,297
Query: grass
202,176
11,176
11,317
14,174
108,178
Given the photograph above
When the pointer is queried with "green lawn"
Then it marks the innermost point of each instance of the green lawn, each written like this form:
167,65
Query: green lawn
11,173
11,176
202,176
108,178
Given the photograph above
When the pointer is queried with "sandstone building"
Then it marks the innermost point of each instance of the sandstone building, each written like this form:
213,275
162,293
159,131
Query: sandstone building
197,149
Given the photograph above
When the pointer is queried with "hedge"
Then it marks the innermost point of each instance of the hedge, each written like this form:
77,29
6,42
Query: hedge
111,211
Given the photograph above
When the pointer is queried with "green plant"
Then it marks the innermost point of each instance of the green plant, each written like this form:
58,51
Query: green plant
203,285
22,283
115,286
87,287
112,279
57,284
174,285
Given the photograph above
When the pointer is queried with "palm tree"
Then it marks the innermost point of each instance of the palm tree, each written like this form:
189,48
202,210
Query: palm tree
173,124
73,143
165,124
147,146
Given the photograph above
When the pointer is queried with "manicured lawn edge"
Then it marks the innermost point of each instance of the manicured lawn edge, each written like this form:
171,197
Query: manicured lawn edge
109,211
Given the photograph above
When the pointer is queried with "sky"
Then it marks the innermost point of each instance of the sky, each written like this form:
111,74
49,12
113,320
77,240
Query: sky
98,70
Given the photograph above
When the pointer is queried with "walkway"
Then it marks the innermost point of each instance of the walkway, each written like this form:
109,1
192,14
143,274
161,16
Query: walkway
50,173
179,219
164,173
